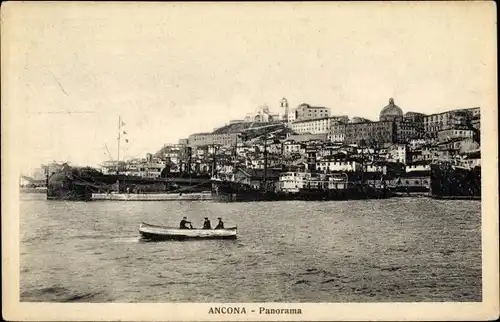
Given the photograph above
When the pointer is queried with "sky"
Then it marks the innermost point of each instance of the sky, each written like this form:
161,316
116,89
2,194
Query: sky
170,70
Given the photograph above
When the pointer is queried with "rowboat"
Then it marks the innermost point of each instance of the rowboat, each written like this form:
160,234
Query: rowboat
157,233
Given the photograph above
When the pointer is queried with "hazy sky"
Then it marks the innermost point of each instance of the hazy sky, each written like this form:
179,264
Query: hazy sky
172,70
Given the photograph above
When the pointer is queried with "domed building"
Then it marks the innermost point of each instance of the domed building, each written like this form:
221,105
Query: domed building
391,112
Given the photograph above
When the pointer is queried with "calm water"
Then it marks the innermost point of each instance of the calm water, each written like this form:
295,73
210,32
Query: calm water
359,251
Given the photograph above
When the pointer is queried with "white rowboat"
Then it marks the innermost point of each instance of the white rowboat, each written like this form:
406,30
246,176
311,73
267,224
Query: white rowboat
157,233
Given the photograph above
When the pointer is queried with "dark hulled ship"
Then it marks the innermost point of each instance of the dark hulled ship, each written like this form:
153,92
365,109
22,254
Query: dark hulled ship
450,181
341,186
73,183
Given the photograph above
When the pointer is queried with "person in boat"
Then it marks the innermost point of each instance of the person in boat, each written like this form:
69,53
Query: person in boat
220,224
184,223
206,224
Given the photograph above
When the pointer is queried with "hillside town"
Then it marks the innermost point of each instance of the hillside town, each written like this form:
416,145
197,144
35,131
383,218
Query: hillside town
309,139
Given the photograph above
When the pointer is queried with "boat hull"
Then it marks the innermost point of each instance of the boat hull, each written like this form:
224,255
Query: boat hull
225,191
450,182
76,184
152,196
160,233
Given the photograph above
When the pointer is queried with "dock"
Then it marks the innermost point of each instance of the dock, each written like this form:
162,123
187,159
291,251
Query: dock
152,196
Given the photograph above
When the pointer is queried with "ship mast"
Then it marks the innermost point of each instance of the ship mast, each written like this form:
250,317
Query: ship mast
265,163
214,161
118,152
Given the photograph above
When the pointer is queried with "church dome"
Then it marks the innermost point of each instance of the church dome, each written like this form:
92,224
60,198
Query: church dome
391,112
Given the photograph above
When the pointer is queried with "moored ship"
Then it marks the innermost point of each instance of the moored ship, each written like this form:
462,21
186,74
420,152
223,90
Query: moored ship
72,183
301,186
449,181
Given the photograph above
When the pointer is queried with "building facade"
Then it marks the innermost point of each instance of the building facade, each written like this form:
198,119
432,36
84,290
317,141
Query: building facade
406,131
443,121
373,132
397,153
337,133
446,135
319,125
307,112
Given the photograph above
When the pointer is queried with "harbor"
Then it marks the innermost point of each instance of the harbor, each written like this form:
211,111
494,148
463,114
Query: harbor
398,249
272,157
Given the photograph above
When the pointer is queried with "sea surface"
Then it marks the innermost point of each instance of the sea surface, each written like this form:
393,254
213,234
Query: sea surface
401,249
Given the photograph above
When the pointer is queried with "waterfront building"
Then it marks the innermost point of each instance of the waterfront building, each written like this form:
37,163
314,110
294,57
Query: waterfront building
423,165
222,139
255,177
148,167
337,163
144,168
413,181
471,159
317,125
391,112
112,166
293,181
397,153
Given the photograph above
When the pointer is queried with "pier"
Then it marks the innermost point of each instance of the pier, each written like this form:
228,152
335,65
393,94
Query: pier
152,196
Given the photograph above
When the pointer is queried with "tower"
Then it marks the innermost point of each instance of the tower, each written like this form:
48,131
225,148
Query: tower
284,108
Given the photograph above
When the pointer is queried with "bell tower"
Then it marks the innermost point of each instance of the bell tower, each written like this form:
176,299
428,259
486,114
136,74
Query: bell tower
284,109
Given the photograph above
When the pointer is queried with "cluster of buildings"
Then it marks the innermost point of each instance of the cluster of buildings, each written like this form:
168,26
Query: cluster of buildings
309,138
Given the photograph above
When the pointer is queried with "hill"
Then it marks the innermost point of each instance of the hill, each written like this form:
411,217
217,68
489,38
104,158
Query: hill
243,126
253,131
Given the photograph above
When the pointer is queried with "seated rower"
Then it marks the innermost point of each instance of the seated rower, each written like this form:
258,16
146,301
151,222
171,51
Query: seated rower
184,223
220,224
206,224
